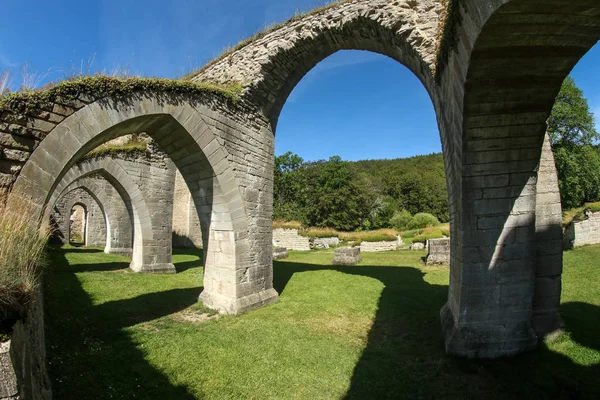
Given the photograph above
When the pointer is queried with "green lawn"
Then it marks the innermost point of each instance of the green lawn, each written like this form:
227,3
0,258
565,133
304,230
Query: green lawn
370,331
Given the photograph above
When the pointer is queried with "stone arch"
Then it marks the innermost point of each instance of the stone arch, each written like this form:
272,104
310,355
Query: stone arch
270,66
185,130
143,259
94,233
506,71
118,215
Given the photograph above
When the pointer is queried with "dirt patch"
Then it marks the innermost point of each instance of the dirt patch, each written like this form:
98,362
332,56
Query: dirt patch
194,316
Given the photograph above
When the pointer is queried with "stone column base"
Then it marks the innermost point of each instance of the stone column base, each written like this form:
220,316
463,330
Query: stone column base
122,251
167,268
547,324
485,340
237,306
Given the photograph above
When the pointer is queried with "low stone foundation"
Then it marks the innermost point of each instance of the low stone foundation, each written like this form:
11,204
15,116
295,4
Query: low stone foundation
346,256
373,247
290,239
438,252
325,243
584,232
417,246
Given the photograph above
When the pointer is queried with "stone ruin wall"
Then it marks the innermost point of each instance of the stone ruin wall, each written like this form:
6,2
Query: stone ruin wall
23,373
290,239
325,243
585,232
374,247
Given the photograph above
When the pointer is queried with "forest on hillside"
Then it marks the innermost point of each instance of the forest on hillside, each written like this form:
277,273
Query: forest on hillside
363,195
410,192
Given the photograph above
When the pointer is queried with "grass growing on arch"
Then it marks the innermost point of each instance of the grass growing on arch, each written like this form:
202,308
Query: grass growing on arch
368,331
34,102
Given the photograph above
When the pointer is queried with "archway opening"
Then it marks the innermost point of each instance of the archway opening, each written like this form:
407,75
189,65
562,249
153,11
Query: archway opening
367,116
78,225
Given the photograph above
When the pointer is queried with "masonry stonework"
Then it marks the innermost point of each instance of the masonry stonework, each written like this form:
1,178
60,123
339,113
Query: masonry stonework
186,223
492,93
438,252
119,229
583,232
94,227
374,247
146,182
290,239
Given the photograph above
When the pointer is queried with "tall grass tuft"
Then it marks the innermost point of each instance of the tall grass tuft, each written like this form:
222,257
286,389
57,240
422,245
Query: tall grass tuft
22,255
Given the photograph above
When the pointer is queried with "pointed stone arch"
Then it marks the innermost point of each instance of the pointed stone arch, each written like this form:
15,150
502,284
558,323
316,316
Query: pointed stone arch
118,213
86,197
182,128
148,254
271,65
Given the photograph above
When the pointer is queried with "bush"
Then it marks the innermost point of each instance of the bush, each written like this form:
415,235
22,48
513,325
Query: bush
423,220
319,233
380,238
593,207
401,220
22,250
431,233
381,235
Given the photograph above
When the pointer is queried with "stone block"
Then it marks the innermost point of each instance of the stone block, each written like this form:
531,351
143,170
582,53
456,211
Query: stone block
280,253
417,246
438,252
346,256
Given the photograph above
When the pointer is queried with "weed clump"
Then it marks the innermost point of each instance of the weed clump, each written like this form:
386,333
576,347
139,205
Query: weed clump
22,256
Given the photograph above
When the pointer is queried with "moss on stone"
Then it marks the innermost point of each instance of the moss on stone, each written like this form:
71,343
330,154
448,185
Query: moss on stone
579,213
35,101
115,150
450,19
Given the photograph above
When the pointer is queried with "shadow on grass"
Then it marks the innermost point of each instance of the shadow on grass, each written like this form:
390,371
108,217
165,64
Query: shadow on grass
59,248
405,357
90,356
185,265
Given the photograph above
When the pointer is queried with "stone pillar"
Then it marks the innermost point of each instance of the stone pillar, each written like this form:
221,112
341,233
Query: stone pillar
154,174
96,224
548,231
493,259
119,219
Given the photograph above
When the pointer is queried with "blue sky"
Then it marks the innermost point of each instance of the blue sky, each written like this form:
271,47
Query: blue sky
354,104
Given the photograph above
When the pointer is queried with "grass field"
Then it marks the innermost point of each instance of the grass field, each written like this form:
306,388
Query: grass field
368,331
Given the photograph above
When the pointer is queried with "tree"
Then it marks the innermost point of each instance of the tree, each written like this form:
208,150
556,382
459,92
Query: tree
571,123
571,127
578,175
288,196
335,196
